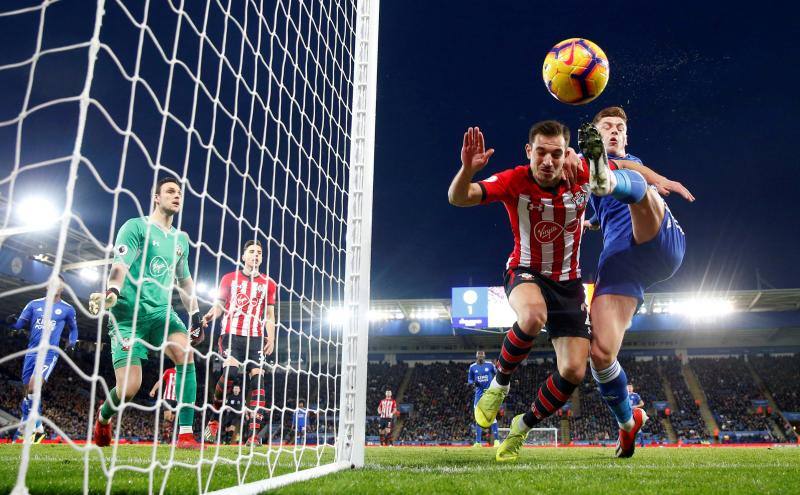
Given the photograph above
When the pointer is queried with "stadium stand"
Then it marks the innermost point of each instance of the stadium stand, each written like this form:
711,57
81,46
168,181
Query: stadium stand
686,420
731,391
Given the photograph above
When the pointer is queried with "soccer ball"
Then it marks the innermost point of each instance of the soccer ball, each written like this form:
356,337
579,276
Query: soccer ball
575,71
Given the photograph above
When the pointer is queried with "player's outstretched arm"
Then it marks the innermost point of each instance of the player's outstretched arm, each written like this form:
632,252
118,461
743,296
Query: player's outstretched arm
474,156
116,278
664,185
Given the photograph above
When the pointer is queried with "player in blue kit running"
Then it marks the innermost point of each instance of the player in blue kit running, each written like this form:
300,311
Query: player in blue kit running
481,374
32,318
642,245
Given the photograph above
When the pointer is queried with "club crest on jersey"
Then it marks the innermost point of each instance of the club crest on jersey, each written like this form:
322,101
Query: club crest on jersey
579,199
179,251
121,250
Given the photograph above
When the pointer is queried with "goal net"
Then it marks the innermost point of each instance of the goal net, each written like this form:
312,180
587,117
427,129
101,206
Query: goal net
263,113
540,437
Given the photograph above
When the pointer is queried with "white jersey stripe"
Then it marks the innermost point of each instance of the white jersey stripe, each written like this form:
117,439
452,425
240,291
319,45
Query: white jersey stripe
570,211
524,215
548,214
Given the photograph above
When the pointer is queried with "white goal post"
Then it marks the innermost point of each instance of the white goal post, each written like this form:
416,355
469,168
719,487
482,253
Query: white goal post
537,436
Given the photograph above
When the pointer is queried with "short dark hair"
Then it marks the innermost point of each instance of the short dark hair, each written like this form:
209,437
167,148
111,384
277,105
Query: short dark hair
611,112
251,242
166,180
550,128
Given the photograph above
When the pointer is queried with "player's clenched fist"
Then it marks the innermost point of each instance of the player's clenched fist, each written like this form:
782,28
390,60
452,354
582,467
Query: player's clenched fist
96,300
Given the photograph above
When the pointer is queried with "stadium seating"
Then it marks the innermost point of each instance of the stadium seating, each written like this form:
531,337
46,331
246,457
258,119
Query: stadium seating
730,391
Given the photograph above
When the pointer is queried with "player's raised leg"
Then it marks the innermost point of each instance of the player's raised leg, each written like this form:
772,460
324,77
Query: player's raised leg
528,303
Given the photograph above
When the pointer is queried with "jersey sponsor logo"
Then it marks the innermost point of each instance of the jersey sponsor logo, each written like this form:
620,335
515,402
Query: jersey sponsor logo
547,231
158,266
121,250
242,300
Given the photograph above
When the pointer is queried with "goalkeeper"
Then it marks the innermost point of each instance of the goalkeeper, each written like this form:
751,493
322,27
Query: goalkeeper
149,256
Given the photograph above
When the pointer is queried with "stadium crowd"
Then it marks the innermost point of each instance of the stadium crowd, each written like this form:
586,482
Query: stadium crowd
686,419
730,390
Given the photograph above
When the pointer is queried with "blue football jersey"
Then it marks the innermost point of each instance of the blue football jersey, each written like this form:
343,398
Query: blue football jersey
481,375
634,398
300,419
32,317
614,217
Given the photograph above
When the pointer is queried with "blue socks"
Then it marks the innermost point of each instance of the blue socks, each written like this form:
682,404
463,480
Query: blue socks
631,186
613,384
495,432
478,433
26,408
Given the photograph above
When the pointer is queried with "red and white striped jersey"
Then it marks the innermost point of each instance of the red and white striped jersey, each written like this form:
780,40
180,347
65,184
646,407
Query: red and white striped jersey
387,408
168,385
245,300
547,223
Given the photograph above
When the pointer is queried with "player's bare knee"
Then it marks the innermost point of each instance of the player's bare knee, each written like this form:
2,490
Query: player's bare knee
602,356
573,372
531,320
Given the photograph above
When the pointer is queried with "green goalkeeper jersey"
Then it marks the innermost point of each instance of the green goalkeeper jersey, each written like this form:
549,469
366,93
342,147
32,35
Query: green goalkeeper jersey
155,257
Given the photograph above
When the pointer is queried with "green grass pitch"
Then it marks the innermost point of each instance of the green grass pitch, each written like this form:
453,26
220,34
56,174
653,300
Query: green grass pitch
59,469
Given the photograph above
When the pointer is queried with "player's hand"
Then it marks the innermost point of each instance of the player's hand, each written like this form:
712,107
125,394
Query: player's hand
208,317
196,327
590,226
666,186
71,349
152,393
474,155
572,166
96,300
11,319
269,346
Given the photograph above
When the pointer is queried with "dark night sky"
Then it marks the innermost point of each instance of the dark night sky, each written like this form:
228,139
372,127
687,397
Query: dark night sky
708,91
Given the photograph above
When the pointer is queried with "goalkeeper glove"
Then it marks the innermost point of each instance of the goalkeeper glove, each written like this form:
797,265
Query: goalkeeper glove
196,332
11,319
96,300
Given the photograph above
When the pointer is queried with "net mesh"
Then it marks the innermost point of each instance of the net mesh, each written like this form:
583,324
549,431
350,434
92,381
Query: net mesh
248,104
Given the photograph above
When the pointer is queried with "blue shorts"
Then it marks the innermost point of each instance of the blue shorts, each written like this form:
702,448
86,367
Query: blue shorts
30,362
631,270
